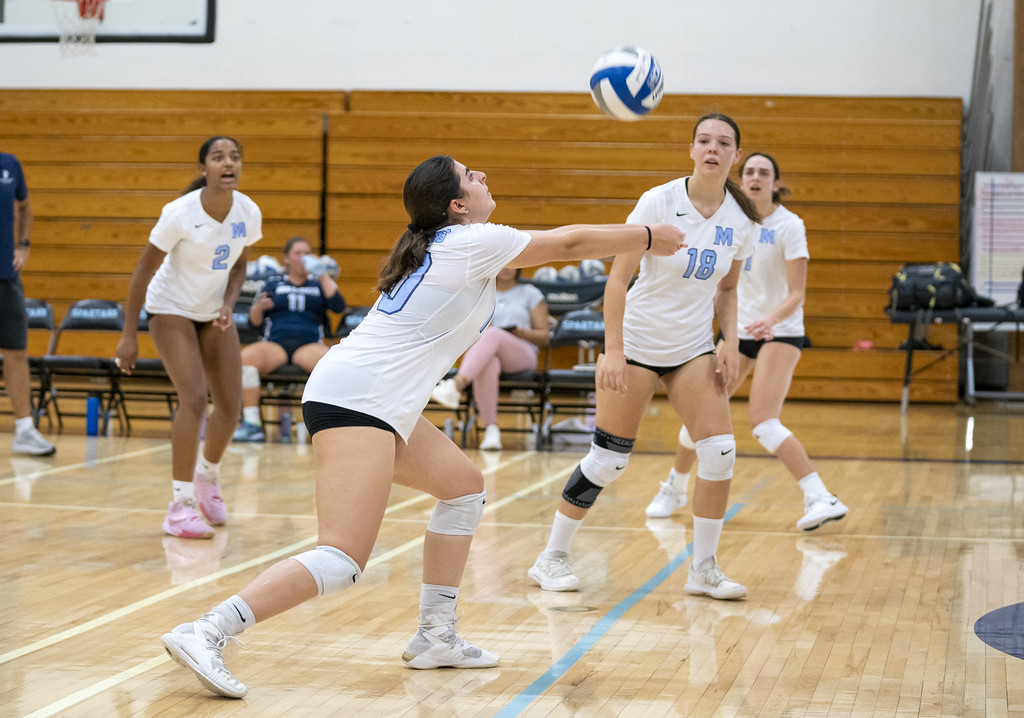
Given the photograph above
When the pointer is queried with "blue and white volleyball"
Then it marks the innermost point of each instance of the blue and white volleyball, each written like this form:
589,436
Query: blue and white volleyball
626,83
267,266
546,274
569,273
591,268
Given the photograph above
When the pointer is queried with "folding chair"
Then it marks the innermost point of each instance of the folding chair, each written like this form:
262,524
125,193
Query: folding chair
563,297
80,376
350,320
148,382
519,392
571,392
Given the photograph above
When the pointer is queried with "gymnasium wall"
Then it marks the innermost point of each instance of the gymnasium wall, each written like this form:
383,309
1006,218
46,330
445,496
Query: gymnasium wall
803,47
876,180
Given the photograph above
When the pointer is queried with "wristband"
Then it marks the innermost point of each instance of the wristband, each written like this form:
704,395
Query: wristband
24,243
648,237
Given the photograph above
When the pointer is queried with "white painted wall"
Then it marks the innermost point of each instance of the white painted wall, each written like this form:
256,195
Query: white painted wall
827,47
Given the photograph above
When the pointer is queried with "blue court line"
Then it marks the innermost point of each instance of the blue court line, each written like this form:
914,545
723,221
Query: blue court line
535,689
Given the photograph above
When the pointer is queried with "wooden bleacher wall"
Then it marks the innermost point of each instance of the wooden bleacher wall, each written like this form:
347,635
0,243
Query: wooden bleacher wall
875,179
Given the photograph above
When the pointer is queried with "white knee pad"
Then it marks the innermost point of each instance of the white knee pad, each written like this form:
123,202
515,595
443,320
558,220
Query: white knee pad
716,455
332,569
602,466
684,438
459,516
771,434
250,377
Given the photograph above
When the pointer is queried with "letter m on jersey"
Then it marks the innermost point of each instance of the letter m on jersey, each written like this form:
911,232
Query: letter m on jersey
767,236
237,230
723,236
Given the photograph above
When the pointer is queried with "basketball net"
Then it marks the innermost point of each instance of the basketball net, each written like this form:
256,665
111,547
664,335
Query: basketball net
77,22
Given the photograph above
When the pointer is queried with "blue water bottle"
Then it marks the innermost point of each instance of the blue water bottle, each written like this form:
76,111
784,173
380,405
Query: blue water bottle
286,427
92,415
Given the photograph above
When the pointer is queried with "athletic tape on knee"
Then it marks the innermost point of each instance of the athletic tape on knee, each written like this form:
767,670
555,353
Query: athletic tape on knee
771,433
332,569
459,516
716,455
684,438
250,377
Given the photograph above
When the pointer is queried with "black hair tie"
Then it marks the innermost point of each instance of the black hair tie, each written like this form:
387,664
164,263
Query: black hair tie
648,236
413,227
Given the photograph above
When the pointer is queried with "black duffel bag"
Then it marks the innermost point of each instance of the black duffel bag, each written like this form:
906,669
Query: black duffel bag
937,285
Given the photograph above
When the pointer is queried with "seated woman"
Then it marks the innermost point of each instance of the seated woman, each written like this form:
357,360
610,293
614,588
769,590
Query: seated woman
519,327
292,312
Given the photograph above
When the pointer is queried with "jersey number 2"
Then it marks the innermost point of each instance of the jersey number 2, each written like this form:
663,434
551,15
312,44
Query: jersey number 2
220,256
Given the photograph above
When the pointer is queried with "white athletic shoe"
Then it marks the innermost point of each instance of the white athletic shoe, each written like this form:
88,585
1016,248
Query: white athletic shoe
438,645
708,580
446,394
492,439
197,646
820,509
31,442
667,501
553,572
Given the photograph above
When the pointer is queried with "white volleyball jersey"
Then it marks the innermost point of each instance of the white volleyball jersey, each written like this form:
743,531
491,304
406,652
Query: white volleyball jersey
763,284
412,336
200,254
670,307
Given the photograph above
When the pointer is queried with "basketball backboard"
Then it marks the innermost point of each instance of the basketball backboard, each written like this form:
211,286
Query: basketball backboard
123,21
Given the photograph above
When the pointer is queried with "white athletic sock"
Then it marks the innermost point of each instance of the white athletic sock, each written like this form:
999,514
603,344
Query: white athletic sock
183,491
437,601
813,485
23,424
208,469
677,481
233,616
251,415
563,531
705,538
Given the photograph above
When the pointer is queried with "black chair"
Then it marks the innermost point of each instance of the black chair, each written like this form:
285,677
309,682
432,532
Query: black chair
570,392
39,316
148,382
282,388
247,334
563,297
350,320
81,376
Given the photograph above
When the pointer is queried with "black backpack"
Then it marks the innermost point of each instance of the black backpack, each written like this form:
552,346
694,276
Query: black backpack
938,285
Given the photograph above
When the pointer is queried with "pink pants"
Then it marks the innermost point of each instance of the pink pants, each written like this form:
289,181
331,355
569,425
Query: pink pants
496,351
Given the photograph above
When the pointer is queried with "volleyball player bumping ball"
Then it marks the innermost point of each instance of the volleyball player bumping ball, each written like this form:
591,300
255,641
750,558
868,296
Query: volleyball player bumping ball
363,407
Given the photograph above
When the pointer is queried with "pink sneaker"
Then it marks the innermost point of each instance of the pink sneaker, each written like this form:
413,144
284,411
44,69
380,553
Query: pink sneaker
184,521
207,494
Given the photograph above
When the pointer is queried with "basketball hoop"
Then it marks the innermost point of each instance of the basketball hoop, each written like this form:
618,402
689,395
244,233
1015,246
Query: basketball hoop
77,22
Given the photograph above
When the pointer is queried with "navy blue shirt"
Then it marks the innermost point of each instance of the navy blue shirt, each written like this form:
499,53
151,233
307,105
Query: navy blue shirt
299,313
12,189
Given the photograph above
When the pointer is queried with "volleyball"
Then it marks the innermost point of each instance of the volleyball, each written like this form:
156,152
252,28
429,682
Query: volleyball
626,83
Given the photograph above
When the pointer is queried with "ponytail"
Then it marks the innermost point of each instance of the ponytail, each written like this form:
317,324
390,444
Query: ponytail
197,183
745,203
428,191
405,258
